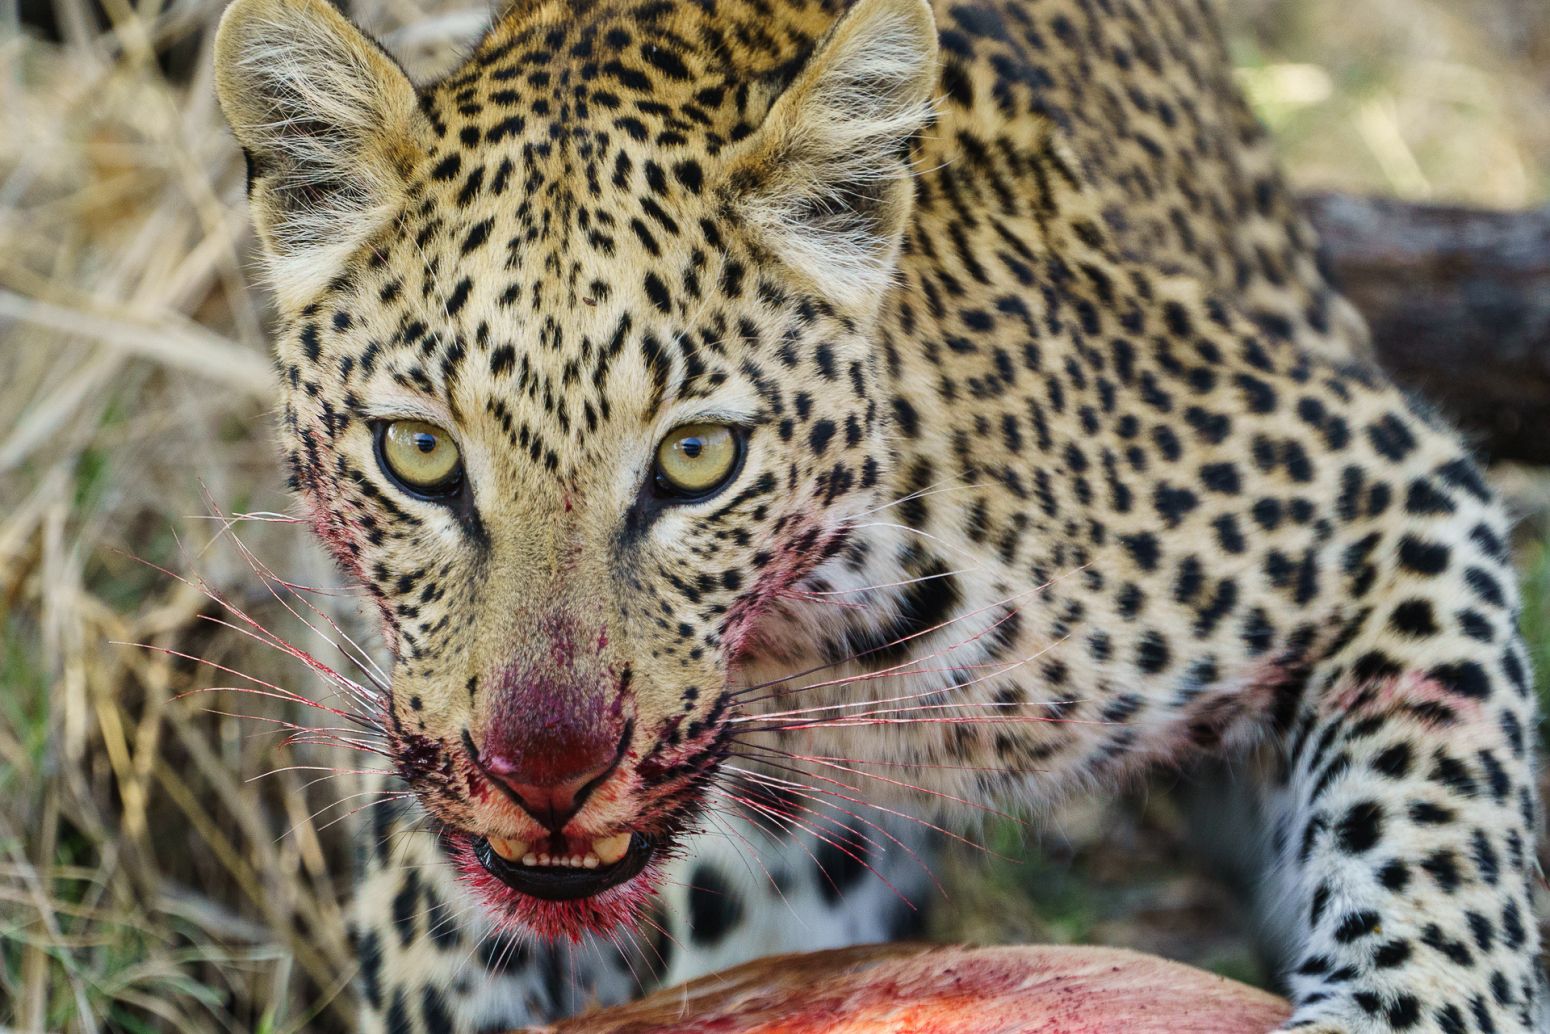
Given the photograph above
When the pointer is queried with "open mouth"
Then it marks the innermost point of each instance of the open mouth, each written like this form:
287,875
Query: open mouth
552,872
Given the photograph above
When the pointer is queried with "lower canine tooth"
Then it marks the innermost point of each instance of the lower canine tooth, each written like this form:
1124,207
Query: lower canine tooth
610,849
511,850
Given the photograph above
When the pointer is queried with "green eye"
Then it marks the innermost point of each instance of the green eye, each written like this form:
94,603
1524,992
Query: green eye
421,457
696,459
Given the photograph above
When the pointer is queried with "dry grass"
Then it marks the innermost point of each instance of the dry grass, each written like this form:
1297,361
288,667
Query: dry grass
149,880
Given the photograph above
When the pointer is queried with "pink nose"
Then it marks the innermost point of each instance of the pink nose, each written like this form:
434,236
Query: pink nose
552,798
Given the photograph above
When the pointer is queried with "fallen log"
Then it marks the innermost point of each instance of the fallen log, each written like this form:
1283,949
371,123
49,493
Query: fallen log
1459,304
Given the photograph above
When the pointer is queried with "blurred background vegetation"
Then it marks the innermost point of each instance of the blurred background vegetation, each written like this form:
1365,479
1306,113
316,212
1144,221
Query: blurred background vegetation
165,866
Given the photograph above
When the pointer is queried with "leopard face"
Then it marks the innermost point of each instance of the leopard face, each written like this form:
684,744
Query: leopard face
549,329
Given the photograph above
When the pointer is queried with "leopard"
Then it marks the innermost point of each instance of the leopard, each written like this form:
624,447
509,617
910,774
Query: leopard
774,433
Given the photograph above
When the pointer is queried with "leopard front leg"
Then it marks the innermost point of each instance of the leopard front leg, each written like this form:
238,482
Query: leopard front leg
1403,830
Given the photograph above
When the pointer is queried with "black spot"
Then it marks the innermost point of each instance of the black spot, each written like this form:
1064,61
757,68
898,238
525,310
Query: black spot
841,859
1391,438
398,1019
657,291
433,1009
1392,954
1443,867
310,347
1422,557
1143,549
1152,653
1404,1012
406,906
1357,925
1220,477
501,953
714,907
458,296
1174,504
820,436
369,953
926,603
1414,618
1260,397
1360,828
1394,761
1395,876
1466,678
1424,500
689,175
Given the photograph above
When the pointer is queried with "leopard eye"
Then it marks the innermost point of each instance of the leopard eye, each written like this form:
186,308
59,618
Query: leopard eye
696,459
421,457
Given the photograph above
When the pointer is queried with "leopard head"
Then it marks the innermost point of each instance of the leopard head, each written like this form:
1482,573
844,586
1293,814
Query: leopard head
579,376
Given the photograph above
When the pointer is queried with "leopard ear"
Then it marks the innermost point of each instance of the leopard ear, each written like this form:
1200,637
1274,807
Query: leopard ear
328,123
825,178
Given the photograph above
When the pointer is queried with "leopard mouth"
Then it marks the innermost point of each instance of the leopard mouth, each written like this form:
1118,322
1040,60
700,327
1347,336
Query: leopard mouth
564,875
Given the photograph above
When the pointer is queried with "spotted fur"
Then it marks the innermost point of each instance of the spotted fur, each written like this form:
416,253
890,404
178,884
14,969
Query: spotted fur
1063,461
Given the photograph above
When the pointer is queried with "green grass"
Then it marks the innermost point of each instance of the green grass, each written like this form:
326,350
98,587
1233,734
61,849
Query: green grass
1535,569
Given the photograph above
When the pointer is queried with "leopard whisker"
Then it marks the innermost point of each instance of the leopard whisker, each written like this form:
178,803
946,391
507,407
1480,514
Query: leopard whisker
1004,602
817,795
819,834
866,803
912,787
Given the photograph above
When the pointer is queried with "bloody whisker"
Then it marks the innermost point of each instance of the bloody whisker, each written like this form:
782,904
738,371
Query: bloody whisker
858,722
260,633
900,584
819,834
308,734
667,935
808,596
889,646
751,851
367,698
260,688
951,547
862,763
948,706
756,817
818,794
901,784
776,781
357,656
1006,602
380,798
329,772
937,691
873,710
790,788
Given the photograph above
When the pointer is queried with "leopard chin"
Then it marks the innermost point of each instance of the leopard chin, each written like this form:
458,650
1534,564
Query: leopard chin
558,900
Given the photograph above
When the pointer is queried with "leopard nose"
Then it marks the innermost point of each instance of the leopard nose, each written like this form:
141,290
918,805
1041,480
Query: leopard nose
551,805
551,793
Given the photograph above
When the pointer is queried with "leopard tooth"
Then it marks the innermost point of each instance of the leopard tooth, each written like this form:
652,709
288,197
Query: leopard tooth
610,849
511,850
